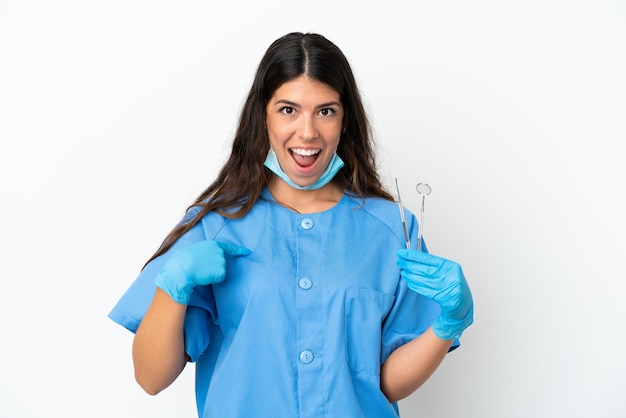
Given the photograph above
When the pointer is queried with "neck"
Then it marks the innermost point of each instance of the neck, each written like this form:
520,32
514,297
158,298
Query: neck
305,201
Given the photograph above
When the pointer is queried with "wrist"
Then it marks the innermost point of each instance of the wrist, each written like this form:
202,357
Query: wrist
176,285
448,328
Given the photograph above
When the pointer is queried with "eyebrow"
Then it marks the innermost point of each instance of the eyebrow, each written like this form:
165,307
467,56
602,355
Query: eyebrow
293,104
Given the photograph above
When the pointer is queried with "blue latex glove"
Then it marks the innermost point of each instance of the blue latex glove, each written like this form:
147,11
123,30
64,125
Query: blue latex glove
442,281
201,263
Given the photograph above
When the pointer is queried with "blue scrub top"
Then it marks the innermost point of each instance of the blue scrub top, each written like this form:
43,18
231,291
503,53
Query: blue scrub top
301,326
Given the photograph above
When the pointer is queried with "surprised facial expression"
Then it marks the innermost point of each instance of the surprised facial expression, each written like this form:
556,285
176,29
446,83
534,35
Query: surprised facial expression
304,122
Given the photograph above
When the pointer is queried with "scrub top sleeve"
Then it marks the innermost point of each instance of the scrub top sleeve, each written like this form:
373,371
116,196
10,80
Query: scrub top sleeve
132,306
410,316
134,303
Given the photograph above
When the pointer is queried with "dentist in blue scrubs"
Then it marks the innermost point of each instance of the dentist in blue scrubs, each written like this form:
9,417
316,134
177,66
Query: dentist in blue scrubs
287,282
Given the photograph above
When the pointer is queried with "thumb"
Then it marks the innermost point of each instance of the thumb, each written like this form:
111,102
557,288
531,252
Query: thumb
420,257
232,249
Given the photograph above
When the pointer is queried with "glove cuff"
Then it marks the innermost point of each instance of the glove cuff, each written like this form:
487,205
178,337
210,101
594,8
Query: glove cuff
448,329
177,286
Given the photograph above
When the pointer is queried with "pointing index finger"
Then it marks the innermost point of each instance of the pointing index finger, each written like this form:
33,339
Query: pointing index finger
233,249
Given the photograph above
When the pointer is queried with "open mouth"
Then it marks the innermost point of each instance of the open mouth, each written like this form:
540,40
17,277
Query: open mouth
304,157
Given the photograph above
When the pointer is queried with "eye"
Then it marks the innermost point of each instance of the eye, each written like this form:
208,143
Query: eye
287,110
327,111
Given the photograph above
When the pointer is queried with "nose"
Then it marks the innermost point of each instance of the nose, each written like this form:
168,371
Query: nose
307,130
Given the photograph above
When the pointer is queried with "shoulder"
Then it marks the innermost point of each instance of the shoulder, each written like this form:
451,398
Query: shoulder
213,222
384,210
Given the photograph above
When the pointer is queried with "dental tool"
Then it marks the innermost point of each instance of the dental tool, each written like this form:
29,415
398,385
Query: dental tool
406,231
423,190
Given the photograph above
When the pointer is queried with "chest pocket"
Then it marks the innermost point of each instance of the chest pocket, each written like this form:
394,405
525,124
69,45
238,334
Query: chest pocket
365,311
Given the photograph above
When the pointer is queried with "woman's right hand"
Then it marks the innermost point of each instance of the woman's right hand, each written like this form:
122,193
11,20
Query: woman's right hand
201,263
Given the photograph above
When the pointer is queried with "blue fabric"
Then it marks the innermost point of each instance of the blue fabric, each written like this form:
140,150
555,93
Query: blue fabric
334,165
300,326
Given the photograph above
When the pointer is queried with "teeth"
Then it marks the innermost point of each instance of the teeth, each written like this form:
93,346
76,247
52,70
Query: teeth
305,152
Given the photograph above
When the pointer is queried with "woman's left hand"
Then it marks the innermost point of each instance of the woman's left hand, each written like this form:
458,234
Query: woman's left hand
442,281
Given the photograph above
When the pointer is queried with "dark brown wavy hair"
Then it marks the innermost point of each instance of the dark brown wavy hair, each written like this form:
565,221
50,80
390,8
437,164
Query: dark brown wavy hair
243,176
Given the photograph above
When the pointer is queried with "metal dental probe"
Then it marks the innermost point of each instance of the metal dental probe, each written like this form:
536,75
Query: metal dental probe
406,231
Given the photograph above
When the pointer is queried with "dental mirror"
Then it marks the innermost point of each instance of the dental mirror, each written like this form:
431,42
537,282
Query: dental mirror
423,190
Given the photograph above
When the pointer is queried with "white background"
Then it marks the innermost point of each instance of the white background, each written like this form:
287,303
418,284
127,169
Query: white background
115,114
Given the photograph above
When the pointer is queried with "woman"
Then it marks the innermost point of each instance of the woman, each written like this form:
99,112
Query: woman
283,280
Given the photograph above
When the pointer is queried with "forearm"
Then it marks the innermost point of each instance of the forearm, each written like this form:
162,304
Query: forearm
158,346
410,365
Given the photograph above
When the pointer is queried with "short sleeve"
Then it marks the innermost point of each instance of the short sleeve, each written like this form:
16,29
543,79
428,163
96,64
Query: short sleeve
132,306
411,315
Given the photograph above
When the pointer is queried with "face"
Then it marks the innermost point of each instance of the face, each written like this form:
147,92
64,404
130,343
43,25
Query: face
304,122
